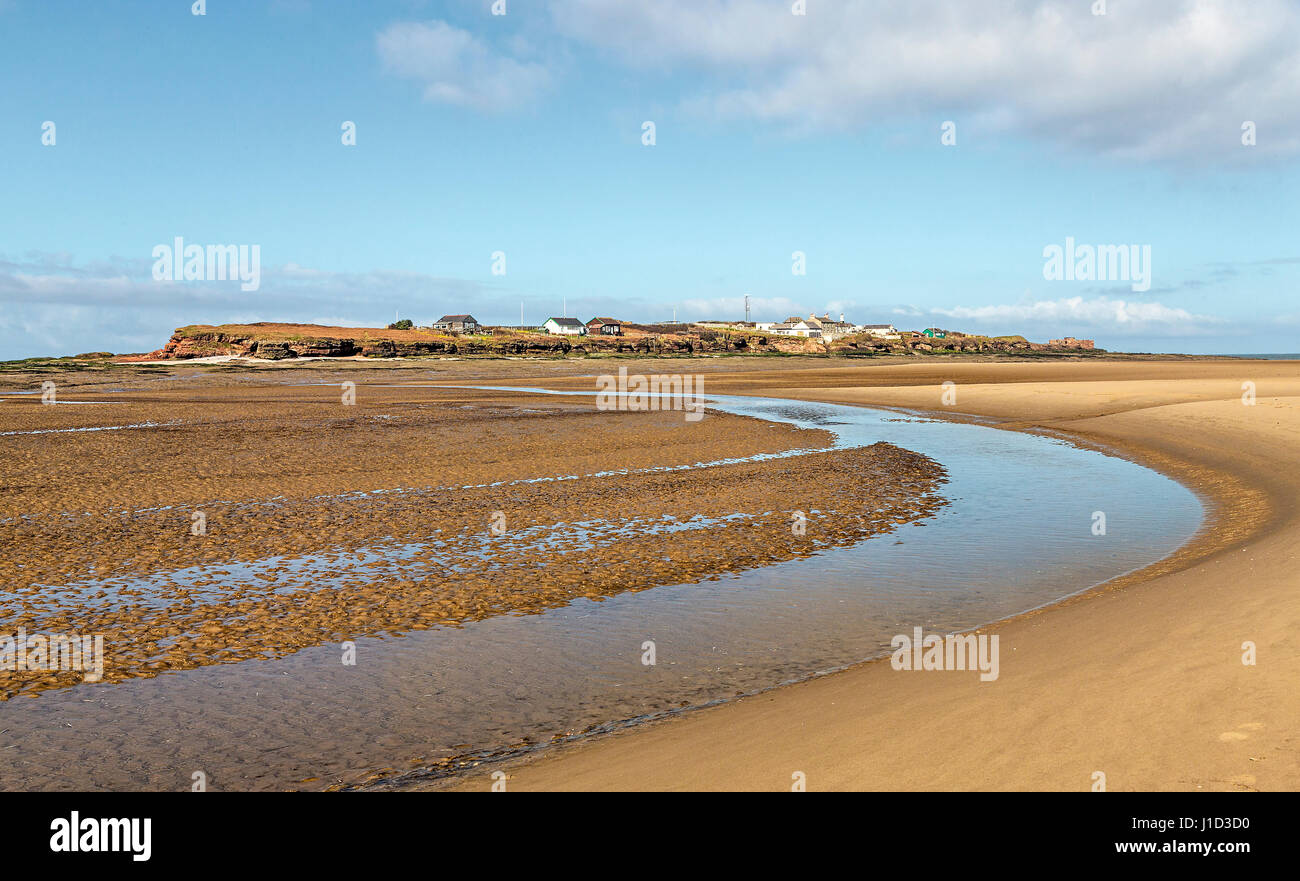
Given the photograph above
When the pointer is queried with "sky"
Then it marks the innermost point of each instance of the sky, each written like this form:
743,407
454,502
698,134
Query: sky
918,160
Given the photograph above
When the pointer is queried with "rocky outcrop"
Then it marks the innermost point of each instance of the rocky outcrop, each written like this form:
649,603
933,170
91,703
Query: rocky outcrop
273,350
187,343
856,346
277,342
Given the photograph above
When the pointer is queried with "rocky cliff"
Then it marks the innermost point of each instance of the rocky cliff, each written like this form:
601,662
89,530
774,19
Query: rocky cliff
280,341
277,342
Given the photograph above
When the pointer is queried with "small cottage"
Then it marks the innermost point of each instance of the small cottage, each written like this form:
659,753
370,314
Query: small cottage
457,324
564,326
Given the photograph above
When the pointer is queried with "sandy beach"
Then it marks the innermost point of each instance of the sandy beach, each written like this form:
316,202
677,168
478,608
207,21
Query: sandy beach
378,516
1141,679
597,396
319,516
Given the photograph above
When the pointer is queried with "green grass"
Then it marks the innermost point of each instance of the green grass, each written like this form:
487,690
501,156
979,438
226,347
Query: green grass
51,365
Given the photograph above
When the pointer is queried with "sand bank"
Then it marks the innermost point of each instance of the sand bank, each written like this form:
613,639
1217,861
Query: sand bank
1141,679
248,521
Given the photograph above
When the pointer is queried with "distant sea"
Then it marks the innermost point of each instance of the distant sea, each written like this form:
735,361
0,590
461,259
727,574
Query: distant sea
1270,356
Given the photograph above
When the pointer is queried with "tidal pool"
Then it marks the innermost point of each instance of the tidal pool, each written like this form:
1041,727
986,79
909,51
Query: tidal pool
1018,534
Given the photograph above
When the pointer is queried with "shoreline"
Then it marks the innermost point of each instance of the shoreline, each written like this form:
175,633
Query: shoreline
1138,669
1242,509
444,777
1185,555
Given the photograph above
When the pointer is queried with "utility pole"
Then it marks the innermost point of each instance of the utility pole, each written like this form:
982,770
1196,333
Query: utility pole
521,313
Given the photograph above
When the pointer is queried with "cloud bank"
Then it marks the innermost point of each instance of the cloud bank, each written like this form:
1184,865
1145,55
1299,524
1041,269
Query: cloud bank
1154,79
1079,316
455,67
52,305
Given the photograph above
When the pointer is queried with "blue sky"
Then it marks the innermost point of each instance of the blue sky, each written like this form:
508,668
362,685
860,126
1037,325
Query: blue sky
775,133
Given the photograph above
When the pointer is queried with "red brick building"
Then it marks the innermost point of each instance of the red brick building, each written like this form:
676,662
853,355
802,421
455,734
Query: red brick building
1071,343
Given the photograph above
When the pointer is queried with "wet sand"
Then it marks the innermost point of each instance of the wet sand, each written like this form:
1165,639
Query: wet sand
229,520
1141,679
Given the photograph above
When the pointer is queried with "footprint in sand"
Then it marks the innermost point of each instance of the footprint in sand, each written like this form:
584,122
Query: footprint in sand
1241,732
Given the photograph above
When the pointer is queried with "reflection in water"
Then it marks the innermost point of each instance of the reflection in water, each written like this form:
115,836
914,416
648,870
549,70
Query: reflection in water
1016,535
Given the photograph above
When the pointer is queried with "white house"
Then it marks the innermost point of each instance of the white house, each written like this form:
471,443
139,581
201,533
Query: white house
564,326
879,330
792,326
830,328
814,327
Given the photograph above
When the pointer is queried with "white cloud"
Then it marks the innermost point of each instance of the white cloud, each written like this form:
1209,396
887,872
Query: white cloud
456,68
52,305
1121,317
1150,79
720,308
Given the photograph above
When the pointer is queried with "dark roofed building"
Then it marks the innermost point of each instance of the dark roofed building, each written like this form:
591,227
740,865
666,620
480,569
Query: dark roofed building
457,324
